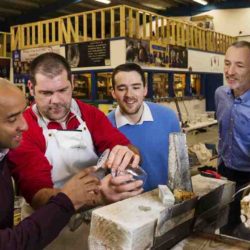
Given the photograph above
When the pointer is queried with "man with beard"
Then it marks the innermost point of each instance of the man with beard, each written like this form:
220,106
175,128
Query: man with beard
64,136
233,115
146,124
39,229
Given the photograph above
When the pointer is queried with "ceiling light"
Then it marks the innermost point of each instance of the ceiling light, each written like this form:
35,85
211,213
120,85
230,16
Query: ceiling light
103,1
203,2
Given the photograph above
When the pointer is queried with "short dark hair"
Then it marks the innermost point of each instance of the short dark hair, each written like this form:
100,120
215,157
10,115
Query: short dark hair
128,67
49,64
240,44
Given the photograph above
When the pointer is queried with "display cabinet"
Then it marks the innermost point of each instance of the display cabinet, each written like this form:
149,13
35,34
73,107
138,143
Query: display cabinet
195,84
179,84
104,86
160,85
82,85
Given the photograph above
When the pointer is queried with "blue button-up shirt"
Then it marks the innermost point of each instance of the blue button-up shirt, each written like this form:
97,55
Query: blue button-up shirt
233,115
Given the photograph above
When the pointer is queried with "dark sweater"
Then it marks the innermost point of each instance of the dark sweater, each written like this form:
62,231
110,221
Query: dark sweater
37,230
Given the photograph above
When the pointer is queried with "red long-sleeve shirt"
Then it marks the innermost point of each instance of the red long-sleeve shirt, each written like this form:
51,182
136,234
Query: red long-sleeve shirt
30,167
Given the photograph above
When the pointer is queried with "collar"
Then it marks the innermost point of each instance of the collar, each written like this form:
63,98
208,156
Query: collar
3,152
243,98
74,111
121,120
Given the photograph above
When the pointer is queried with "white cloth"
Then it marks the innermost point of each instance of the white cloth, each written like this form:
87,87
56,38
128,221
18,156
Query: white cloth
68,151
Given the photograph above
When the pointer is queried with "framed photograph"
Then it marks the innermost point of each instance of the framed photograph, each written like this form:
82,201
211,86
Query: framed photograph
21,86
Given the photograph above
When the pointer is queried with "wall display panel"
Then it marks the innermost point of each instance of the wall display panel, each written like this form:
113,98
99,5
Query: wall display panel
82,85
104,86
22,59
178,57
159,55
160,85
137,51
195,84
89,54
179,84
5,68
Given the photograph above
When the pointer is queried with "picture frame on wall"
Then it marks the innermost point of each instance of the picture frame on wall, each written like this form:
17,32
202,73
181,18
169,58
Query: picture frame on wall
21,86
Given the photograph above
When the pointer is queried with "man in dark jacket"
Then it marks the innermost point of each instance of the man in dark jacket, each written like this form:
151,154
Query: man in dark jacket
39,229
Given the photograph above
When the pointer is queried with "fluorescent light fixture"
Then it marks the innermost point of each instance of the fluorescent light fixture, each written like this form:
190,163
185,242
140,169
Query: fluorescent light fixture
203,2
104,1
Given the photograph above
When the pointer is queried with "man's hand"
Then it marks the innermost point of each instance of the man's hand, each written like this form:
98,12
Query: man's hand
83,189
120,187
122,156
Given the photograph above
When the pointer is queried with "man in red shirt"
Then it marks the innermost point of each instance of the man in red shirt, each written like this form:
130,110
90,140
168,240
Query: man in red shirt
64,136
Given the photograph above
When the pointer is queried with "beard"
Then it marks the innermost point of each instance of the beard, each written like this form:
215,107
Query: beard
57,112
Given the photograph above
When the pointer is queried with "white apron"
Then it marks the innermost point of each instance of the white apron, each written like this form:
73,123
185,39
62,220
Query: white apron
68,151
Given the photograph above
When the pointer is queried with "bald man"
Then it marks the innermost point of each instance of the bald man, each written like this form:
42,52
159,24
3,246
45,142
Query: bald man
39,229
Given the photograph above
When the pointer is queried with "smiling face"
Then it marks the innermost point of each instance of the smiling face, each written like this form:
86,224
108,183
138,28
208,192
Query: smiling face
237,69
129,93
52,95
12,122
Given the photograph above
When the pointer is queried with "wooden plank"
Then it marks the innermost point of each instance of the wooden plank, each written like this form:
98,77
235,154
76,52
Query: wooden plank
122,21
4,47
103,24
150,26
93,17
14,31
162,35
75,30
47,33
85,27
130,23
144,25
137,24
112,23
157,27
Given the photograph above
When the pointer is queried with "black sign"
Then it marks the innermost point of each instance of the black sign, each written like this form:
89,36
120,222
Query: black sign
88,54
5,68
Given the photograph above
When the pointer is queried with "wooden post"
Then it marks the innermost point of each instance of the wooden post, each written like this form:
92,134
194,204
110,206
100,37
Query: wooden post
112,23
103,24
85,27
144,25
93,25
130,23
122,21
137,29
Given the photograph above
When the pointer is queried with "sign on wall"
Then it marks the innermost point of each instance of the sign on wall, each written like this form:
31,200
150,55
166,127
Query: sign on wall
178,57
89,54
22,59
137,51
5,68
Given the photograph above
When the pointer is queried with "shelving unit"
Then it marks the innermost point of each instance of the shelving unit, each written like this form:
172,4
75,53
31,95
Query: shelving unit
179,84
160,85
104,86
82,85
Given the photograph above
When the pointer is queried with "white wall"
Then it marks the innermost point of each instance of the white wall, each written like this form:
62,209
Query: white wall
231,21
205,62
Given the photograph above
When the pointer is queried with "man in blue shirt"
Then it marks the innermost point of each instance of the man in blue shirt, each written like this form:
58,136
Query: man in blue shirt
146,124
233,115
